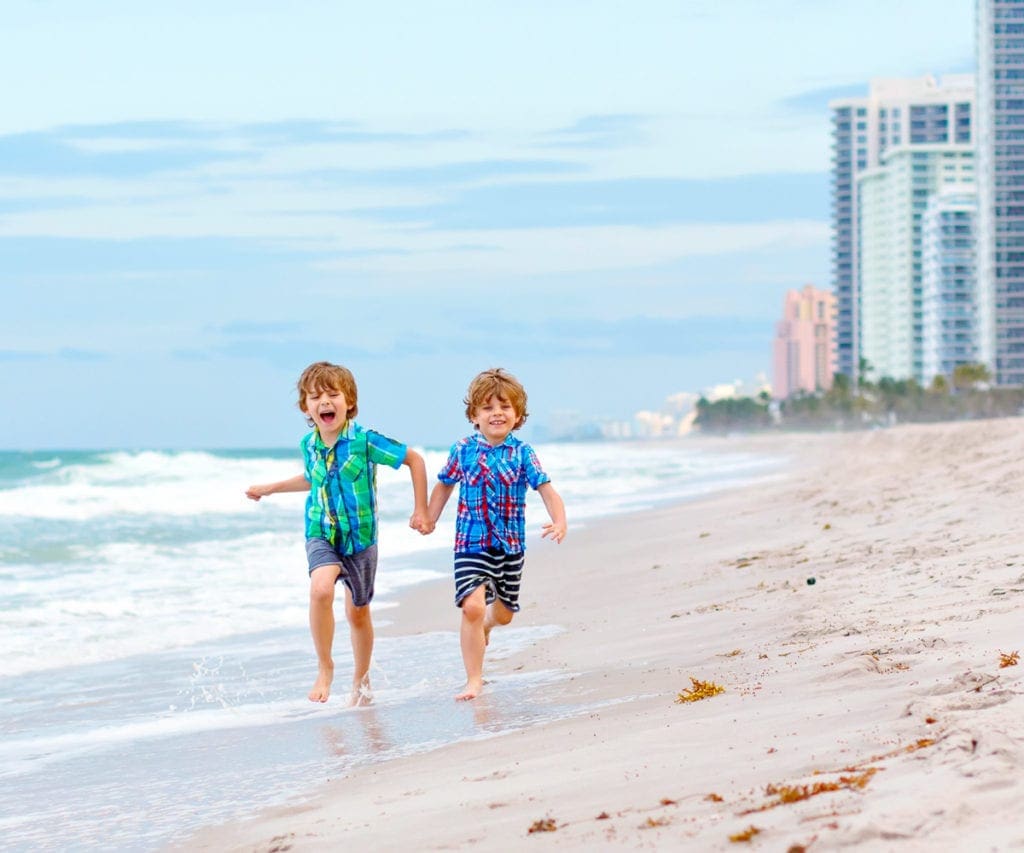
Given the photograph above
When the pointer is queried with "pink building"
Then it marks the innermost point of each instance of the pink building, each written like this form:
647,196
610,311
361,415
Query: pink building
805,359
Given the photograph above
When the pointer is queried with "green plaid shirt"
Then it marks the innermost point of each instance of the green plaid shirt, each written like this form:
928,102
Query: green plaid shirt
342,503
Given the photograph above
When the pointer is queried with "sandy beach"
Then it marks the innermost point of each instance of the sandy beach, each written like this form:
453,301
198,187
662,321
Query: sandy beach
861,614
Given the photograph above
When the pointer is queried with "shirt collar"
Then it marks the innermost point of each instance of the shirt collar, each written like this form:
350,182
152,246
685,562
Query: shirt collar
347,434
483,444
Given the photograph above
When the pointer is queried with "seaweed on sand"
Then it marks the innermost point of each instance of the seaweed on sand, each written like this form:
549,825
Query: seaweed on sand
746,835
699,690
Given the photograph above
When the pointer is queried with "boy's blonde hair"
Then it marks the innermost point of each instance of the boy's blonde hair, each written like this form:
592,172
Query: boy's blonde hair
324,376
496,383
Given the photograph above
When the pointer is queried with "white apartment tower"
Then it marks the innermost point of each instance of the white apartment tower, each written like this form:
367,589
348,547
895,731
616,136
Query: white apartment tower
1000,227
949,284
895,114
893,199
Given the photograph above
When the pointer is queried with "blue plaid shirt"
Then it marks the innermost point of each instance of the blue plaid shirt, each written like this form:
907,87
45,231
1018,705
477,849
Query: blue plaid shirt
492,492
342,503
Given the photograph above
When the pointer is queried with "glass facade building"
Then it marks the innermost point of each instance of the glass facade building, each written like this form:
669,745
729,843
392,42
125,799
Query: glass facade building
1000,222
949,300
894,198
896,113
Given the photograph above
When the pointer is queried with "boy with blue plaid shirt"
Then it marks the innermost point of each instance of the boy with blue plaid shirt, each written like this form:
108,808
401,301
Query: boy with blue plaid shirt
493,469
340,474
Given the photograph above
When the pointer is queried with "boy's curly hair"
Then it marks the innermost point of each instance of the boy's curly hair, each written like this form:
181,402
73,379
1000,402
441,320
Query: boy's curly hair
324,376
496,383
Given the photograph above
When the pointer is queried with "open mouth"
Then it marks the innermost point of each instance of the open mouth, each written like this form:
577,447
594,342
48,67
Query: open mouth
327,417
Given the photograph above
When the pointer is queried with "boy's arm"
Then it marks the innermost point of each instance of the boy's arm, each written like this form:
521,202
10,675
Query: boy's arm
418,472
438,498
556,510
298,483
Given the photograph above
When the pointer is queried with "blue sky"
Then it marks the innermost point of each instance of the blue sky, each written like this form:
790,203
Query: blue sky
609,199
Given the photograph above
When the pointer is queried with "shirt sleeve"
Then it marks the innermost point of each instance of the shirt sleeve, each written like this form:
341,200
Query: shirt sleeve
535,475
451,473
384,450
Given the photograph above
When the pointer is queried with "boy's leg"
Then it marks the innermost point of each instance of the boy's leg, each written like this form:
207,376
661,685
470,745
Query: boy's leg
360,629
507,579
472,638
497,614
321,626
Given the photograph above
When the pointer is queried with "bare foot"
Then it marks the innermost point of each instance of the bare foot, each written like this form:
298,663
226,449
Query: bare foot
322,686
362,694
471,690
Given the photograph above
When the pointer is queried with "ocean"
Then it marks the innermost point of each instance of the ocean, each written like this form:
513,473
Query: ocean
154,635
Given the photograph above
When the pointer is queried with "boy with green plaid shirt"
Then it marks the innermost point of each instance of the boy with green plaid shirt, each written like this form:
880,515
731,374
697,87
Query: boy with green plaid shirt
340,474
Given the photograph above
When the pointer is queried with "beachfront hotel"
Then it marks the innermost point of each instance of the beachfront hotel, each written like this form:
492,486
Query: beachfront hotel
895,114
949,283
1000,123
804,358
893,198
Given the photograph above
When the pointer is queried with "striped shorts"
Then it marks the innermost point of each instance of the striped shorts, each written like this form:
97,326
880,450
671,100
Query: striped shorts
498,571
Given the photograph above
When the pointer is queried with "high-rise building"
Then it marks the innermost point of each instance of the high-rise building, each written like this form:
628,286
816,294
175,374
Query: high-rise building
896,112
949,300
804,357
1000,122
893,198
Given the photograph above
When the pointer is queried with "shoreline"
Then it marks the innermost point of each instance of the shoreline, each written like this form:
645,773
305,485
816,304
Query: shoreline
872,699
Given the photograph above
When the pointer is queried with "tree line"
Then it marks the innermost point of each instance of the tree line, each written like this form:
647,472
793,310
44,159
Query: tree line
968,394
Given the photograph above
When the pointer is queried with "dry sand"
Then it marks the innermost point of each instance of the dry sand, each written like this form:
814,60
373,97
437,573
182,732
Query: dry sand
868,711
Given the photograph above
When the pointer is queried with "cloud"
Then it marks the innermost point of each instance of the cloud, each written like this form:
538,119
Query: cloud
41,256
73,354
152,131
816,100
310,132
669,336
638,201
533,251
576,337
598,131
61,154
23,204
441,175
21,355
564,337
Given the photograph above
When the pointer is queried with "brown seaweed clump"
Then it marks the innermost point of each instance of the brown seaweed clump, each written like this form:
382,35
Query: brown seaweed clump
1010,659
699,690
746,835
785,794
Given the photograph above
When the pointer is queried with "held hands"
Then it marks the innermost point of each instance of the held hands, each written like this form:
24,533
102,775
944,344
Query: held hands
556,530
419,522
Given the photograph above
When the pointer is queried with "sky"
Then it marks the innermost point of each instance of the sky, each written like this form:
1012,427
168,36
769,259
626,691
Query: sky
608,199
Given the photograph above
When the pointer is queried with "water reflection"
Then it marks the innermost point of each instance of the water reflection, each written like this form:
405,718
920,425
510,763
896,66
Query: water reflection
363,735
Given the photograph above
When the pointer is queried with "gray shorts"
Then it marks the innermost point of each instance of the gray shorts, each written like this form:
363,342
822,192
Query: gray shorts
358,570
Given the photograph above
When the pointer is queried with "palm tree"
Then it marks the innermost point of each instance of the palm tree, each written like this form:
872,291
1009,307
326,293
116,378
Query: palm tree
969,376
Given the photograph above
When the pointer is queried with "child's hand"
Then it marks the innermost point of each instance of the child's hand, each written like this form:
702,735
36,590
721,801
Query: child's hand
555,531
421,523
254,493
